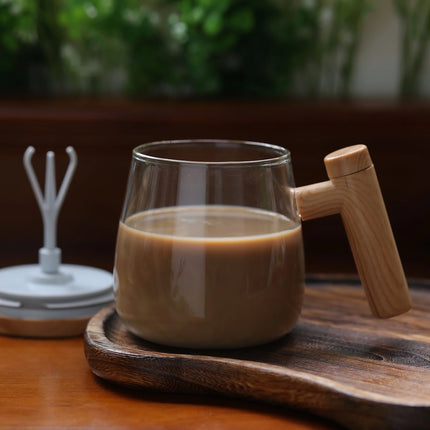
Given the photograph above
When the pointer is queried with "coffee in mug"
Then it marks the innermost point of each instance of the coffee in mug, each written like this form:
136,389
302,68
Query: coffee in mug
209,250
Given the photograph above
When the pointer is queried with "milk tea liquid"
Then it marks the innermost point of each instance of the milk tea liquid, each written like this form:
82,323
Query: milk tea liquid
209,276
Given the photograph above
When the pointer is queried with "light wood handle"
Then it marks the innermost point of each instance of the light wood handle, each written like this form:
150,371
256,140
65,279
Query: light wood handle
353,191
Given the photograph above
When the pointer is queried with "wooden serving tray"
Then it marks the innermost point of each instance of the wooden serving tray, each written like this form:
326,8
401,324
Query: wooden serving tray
338,362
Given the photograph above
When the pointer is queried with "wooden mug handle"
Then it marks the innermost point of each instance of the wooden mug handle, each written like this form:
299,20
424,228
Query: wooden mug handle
353,192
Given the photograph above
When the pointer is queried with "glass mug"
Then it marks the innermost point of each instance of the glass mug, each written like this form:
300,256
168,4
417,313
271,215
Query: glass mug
209,250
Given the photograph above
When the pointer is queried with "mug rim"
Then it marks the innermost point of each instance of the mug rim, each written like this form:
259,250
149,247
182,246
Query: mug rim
280,154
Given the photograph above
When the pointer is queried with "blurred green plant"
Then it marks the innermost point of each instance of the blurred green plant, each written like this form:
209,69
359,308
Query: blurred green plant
112,45
234,47
17,40
180,48
415,26
333,29
90,53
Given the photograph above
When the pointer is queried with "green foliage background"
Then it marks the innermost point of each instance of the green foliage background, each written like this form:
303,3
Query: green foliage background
181,48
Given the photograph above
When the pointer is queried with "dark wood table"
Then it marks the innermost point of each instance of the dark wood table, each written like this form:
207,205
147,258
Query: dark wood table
48,383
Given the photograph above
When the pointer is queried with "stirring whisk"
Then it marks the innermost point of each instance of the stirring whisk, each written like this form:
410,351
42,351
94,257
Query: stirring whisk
50,204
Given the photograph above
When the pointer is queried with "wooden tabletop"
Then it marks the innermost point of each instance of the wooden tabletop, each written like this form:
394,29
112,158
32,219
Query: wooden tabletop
48,383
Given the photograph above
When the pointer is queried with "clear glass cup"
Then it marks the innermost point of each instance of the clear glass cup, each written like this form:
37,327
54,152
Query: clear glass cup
209,249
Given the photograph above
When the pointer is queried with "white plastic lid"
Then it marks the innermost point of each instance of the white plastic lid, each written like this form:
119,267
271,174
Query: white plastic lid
75,291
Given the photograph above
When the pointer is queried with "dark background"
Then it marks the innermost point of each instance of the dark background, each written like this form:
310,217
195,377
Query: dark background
104,133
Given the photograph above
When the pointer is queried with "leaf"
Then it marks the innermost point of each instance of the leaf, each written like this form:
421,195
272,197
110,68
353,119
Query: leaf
213,24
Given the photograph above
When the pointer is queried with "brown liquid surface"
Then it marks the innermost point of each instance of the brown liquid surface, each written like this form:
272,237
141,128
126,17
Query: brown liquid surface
209,276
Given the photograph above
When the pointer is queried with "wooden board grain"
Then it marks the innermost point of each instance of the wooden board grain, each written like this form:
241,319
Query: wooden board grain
338,362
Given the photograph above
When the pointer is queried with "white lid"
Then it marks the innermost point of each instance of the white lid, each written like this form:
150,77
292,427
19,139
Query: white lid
75,291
